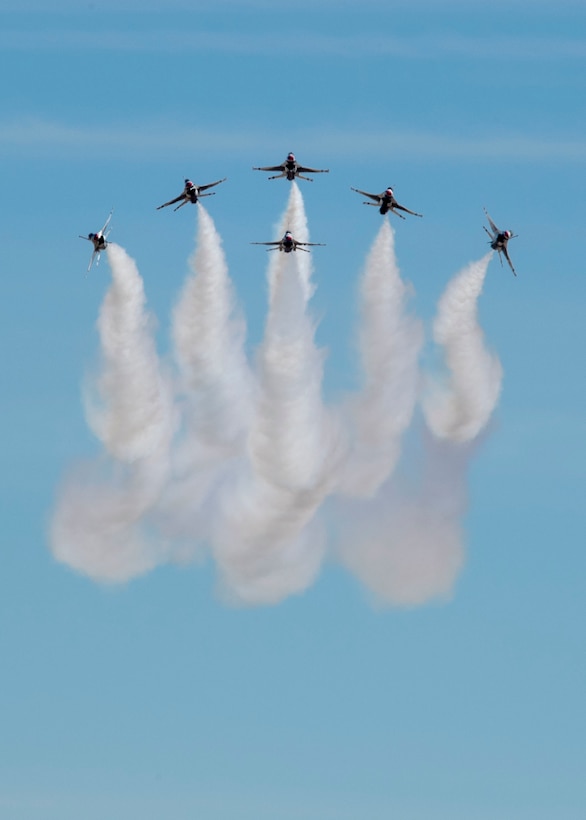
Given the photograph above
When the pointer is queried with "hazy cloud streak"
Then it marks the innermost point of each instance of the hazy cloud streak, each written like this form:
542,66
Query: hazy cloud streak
155,140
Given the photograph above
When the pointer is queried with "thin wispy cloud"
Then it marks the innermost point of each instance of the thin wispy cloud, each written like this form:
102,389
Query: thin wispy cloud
38,137
340,6
269,44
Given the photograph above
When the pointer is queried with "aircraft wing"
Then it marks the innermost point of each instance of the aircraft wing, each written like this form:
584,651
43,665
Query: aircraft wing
271,168
275,246
312,244
402,207
508,258
303,170
107,222
492,225
172,201
299,246
210,184
94,252
92,260
376,197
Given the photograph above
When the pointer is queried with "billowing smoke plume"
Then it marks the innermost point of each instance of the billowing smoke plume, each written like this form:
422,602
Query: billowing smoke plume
406,544
244,458
266,543
293,220
129,408
460,409
216,392
99,524
209,334
390,342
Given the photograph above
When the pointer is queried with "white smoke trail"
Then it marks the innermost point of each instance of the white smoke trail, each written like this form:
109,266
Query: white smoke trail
209,334
390,343
406,545
257,456
97,527
263,546
460,409
294,220
267,544
290,435
217,385
129,406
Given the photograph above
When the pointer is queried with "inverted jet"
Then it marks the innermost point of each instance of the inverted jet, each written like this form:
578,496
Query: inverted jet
386,202
287,244
499,240
99,241
191,193
291,169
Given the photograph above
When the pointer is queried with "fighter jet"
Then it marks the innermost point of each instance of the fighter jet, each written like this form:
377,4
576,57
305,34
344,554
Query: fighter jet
499,240
99,241
385,202
291,169
191,193
288,244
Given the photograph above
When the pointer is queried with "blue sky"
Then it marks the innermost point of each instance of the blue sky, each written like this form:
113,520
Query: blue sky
157,697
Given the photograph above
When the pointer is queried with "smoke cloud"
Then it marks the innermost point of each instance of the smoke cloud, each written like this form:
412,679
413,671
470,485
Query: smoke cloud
99,524
459,409
247,462
390,342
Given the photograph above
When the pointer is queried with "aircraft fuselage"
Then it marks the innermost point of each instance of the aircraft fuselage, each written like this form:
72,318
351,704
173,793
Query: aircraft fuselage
500,242
386,204
98,241
290,169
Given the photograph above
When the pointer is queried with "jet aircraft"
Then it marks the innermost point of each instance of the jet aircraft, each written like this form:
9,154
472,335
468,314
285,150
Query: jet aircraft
191,193
499,240
99,241
291,169
288,244
385,202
